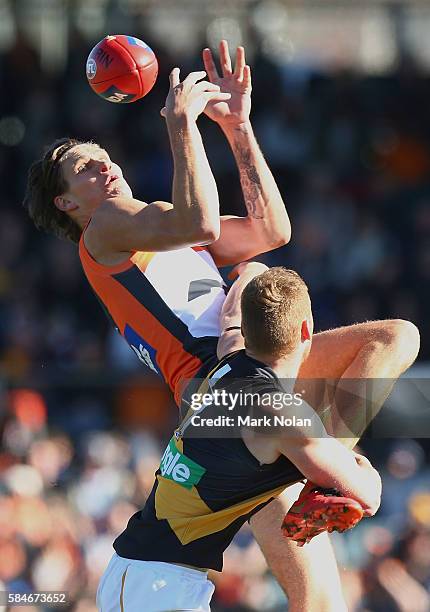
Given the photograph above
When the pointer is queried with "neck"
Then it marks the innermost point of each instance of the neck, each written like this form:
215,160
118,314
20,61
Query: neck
284,367
81,219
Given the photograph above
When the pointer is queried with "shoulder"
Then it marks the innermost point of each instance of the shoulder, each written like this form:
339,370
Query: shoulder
113,209
116,221
105,223
109,217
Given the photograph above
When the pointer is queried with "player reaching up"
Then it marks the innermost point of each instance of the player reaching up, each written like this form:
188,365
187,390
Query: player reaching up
163,291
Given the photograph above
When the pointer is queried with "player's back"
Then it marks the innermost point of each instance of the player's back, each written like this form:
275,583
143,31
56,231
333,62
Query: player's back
206,488
166,305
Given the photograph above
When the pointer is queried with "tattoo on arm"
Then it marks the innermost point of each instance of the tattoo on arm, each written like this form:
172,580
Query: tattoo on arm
250,181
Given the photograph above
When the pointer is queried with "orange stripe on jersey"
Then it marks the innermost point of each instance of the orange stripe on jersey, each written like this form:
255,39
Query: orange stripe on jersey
153,331
140,258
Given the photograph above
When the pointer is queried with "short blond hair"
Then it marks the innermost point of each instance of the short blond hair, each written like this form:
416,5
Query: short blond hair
274,304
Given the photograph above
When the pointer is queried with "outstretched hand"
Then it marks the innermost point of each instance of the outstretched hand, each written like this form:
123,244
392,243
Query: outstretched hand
189,98
236,110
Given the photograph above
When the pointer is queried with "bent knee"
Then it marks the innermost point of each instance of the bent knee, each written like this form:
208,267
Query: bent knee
405,341
399,338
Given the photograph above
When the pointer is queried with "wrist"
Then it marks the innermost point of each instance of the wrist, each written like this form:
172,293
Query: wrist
182,131
178,123
237,129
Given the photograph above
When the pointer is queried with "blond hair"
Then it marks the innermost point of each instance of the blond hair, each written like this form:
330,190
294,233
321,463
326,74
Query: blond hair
274,305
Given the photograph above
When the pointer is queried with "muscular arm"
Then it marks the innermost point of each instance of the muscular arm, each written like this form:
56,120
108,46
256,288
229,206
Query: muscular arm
261,194
123,224
327,463
267,225
194,193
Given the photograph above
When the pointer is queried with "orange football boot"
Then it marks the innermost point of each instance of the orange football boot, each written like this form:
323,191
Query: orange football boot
317,510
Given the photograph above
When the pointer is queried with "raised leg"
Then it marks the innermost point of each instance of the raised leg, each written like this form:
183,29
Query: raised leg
350,360
341,362
378,349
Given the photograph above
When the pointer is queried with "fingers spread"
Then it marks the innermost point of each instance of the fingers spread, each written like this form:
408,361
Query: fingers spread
209,63
174,77
240,63
224,56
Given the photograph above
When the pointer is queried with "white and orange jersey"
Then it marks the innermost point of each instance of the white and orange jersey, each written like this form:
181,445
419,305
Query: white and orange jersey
164,305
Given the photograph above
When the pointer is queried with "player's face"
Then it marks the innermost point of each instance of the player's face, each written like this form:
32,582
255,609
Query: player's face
92,177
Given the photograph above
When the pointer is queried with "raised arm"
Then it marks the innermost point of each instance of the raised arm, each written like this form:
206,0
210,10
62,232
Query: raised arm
124,224
267,225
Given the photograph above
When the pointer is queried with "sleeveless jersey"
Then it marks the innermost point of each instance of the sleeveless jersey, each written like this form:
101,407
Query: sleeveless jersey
166,305
206,488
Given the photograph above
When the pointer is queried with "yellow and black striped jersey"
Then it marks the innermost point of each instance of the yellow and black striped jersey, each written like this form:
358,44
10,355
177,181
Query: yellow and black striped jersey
206,488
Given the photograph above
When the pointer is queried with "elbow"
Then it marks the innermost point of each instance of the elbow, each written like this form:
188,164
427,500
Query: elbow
371,499
211,234
205,234
271,235
406,341
285,233
283,237
280,235
372,509
371,506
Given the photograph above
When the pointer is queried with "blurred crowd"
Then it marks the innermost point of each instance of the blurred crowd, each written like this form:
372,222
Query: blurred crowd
82,428
65,496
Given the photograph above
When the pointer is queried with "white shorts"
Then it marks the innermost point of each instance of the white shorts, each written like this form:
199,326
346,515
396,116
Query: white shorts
128,585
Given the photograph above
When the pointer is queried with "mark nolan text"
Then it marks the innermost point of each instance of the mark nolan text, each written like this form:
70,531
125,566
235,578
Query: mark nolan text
249,421
273,421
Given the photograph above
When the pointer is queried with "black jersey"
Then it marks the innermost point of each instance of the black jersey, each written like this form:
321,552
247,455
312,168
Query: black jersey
206,488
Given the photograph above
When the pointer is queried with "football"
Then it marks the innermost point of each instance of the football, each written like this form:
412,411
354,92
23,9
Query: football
121,68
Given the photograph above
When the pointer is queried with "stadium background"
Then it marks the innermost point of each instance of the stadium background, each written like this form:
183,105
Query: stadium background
340,106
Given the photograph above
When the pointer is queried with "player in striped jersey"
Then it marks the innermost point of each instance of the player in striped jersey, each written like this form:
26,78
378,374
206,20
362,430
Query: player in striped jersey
210,482
162,289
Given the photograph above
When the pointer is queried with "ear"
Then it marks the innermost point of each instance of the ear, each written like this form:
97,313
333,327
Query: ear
64,204
306,332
